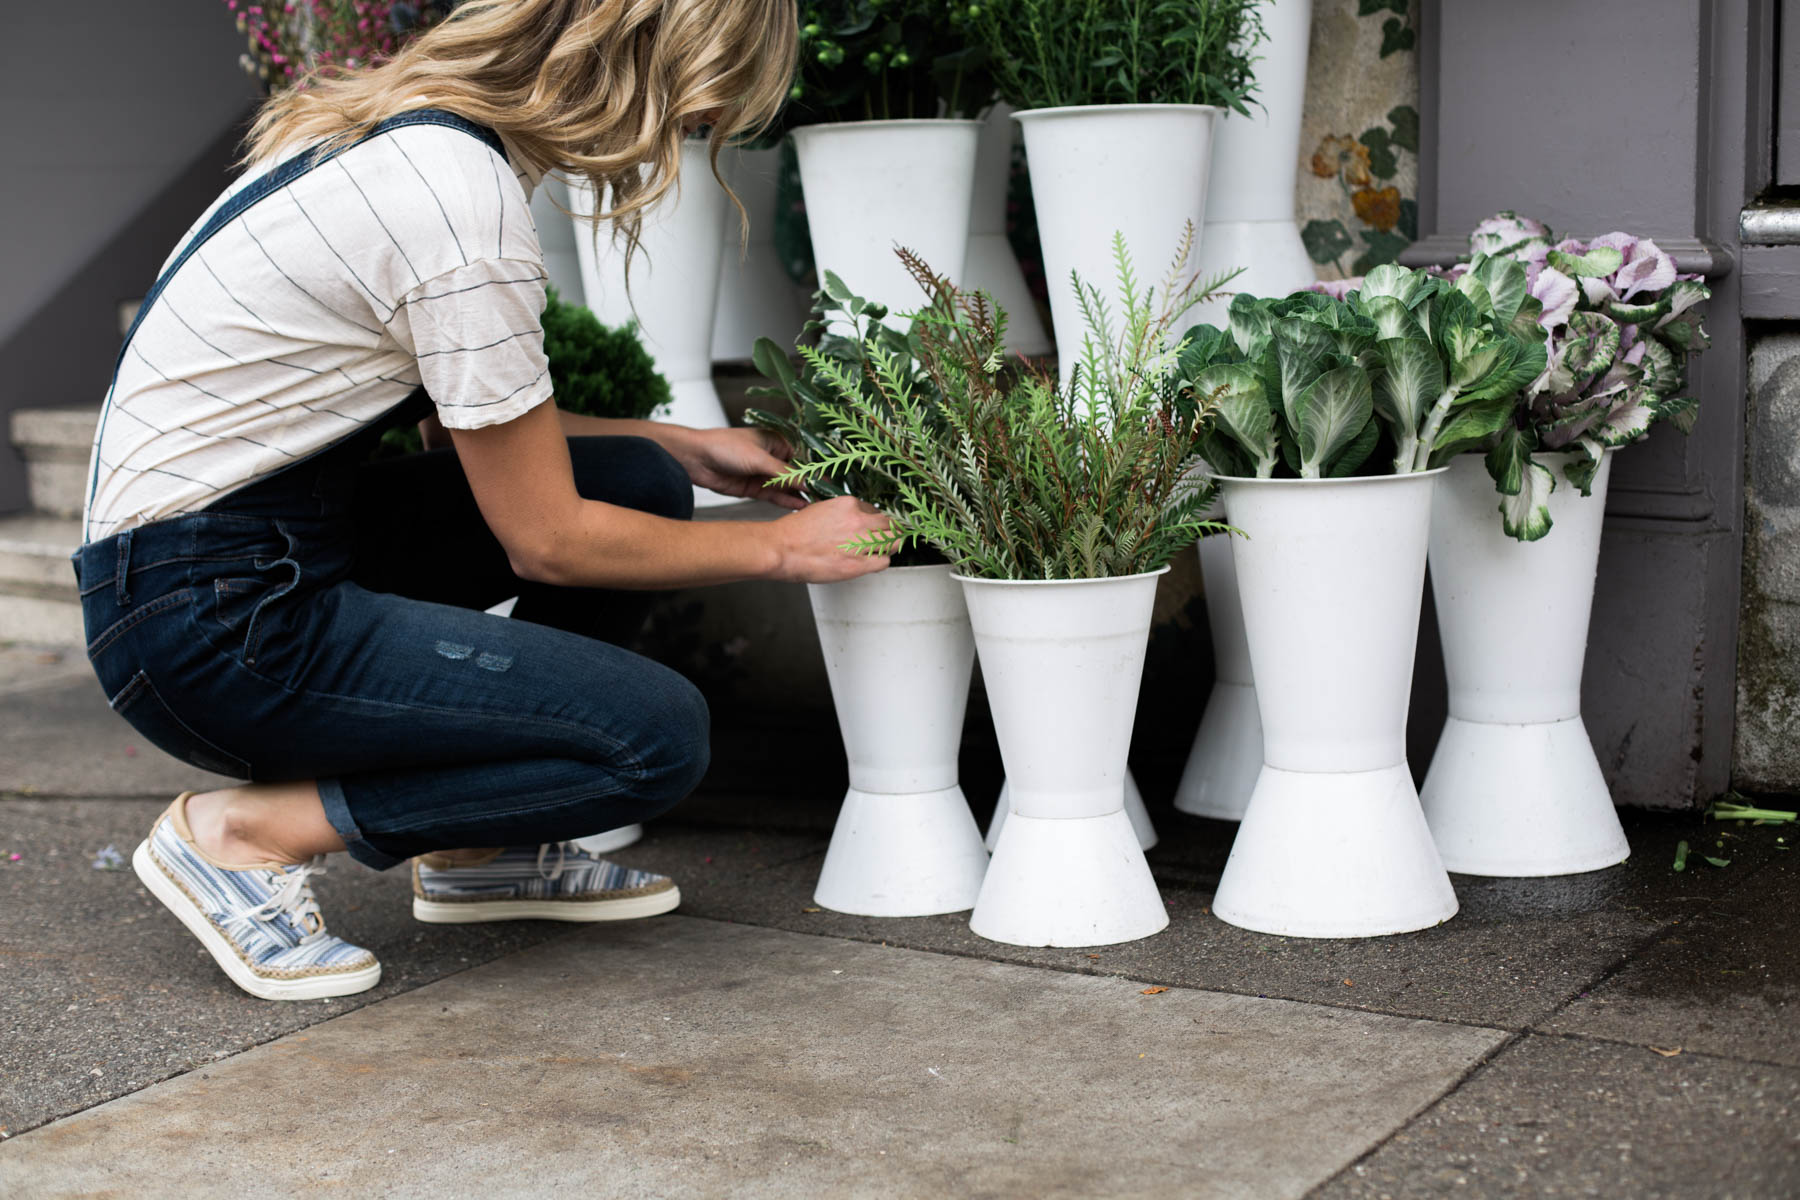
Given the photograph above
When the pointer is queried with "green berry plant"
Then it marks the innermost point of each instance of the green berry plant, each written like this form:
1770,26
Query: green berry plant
866,60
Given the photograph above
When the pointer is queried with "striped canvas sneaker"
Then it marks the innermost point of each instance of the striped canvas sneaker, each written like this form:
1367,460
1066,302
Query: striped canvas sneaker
261,924
558,881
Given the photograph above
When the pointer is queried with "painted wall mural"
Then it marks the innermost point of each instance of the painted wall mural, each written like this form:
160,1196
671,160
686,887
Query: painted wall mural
1359,138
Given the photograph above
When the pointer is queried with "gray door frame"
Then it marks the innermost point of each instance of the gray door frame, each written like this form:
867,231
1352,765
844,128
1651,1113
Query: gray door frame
1659,690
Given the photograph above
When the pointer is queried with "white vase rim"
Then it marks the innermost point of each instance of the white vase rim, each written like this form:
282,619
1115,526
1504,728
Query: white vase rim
1347,479
1089,110
1560,451
1163,570
886,123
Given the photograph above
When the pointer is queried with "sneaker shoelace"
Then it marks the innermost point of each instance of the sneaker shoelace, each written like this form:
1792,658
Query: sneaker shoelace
563,850
294,897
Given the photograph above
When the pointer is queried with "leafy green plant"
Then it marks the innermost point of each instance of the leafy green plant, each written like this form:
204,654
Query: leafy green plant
599,370
866,60
596,370
1618,322
1312,385
1010,476
806,424
1050,53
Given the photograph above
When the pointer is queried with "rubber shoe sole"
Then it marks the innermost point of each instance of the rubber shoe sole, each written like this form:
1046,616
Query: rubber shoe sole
469,912
308,987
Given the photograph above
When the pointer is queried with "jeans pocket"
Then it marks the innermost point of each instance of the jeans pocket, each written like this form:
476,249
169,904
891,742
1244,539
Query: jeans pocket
145,711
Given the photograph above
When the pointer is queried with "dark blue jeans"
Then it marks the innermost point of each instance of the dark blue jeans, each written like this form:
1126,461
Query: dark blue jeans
324,624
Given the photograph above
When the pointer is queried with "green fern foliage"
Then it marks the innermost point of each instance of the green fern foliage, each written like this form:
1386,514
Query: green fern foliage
1009,475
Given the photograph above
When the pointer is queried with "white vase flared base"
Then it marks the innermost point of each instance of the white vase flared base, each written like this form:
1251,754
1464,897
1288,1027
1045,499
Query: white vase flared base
1344,854
612,839
1222,767
1134,811
903,856
1076,881
1521,800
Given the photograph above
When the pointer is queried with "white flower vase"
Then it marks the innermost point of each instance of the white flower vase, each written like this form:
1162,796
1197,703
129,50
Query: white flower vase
1250,202
556,237
874,186
674,284
1227,755
756,297
1134,811
991,266
1333,843
1136,169
899,656
1514,787
1062,661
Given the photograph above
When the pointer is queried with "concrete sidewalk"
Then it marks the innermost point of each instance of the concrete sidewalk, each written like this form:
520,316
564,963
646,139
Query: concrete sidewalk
1629,1032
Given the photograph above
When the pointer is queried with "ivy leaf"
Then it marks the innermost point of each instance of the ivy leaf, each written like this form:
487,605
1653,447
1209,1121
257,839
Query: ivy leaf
1384,247
1395,37
1405,120
1382,163
1326,240
1408,224
1366,8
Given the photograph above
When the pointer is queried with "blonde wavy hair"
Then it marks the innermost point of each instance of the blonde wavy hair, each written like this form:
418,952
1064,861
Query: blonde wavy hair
599,89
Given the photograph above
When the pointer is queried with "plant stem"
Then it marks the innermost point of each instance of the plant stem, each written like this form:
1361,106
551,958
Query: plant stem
1433,423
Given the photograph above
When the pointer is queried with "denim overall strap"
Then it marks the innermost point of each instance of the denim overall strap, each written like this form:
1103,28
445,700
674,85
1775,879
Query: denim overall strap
272,182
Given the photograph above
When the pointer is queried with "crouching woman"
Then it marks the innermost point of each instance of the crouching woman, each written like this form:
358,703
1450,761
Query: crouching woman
263,603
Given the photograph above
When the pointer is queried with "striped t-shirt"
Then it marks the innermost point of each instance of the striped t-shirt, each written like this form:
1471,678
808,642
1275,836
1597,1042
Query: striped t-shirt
410,258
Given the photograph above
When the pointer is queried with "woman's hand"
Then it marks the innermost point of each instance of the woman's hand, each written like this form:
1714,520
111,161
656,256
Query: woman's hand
810,544
737,462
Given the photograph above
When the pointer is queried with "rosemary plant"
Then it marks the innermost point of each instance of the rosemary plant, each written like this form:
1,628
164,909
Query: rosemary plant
1008,475
1049,53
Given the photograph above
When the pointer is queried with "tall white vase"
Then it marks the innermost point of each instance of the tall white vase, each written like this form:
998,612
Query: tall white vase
1250,202
1134,811
1227,755
1136,169
874,186
556,238
756,297
1062,661
899,655
1514,787
991,266
1332,575
674,286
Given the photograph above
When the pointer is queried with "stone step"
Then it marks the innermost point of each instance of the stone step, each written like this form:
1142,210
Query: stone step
55,443
39,604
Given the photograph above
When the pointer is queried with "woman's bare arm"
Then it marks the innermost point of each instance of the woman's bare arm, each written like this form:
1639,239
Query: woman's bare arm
524,484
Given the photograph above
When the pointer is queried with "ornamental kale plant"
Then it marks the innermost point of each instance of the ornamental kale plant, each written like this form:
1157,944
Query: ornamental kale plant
1010,476
1396,376
867,60
1618,323
1049,53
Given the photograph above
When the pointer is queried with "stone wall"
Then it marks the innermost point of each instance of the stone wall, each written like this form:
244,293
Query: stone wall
1766,756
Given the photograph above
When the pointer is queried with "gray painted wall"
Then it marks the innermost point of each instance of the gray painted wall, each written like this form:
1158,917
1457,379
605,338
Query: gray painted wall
109,103
1651,116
